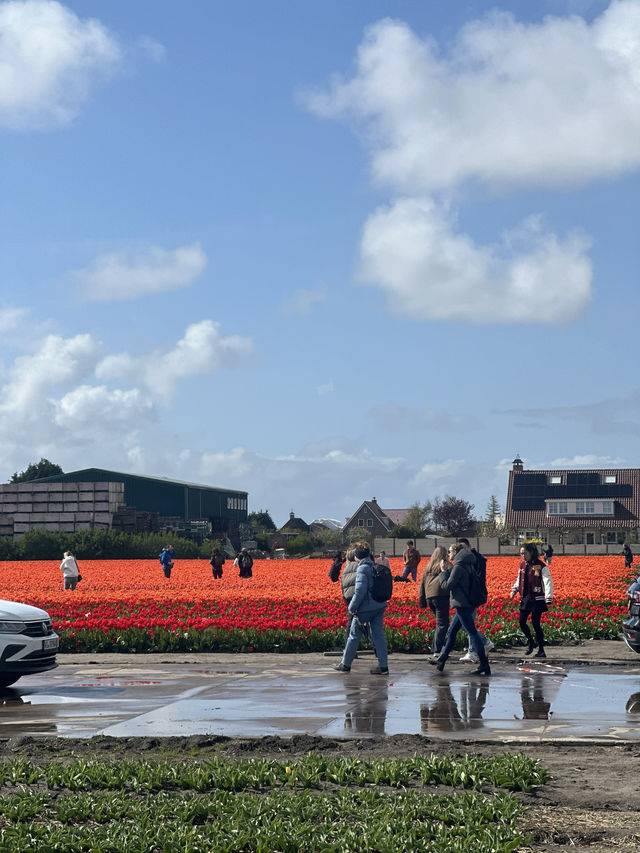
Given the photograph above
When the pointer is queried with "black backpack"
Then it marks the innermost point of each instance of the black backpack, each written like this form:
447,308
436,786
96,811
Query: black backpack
245,562
382,587
478,583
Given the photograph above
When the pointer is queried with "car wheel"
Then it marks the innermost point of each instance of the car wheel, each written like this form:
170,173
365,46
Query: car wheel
8,680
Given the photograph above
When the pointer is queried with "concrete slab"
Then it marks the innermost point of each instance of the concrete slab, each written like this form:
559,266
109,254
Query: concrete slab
561,699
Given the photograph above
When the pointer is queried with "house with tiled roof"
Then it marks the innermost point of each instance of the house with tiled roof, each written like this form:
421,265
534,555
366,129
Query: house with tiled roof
563,506
371,517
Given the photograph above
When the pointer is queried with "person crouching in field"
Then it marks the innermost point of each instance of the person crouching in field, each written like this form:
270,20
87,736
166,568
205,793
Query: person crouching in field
365,610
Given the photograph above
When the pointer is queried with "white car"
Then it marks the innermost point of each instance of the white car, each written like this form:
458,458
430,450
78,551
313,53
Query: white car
28,643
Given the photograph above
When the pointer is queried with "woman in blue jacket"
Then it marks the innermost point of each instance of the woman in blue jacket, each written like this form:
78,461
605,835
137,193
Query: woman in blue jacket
365,610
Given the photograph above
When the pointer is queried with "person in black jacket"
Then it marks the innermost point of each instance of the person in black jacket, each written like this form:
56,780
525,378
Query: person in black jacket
336,567
458,583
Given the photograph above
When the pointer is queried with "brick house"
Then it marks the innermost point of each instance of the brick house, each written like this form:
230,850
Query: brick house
563,506
378,522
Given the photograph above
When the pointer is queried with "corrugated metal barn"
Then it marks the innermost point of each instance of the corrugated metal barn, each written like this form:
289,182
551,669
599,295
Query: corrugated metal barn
145,503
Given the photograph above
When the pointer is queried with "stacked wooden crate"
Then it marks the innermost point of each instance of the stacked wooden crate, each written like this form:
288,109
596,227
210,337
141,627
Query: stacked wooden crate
65,507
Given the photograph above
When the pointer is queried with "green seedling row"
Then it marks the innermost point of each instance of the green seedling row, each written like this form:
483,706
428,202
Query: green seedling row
511,772
287,821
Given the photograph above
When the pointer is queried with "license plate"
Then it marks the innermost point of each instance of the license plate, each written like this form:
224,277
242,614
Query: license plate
50,643
634,609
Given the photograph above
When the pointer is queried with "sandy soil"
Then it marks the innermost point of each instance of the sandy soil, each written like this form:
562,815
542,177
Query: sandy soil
590,802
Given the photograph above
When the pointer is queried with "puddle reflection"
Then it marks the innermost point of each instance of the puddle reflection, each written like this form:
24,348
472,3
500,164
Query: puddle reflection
8,696
445,714
535,706
367,708
633,704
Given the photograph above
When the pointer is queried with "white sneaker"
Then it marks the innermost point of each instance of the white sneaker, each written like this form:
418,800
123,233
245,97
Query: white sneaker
470,657
488,645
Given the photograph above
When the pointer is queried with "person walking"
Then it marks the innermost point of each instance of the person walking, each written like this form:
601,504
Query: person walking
460,583
244,562
535,587
411,557
70,571
548,554
336,567
481,568
166,560
432,596
628,555
348,582
366,611
217,561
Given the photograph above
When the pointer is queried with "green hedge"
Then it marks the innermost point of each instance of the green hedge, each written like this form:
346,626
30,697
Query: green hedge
98,544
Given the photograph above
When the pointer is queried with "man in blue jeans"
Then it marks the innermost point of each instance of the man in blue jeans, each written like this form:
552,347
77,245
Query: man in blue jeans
366,611
458,583
411,557
470,656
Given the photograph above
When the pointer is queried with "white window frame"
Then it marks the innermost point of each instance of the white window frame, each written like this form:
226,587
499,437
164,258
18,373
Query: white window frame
555,481
610,478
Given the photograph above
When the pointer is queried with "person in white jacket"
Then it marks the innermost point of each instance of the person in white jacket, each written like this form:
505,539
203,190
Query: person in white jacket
69,569
536,593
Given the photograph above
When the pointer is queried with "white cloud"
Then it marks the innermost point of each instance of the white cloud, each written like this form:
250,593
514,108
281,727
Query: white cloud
430,271
201,350
57,362
121,276
49,61
585,460
301,301
91,407
393,417
51,405
512,104
506,105
11,318
437,476
153,48
323,390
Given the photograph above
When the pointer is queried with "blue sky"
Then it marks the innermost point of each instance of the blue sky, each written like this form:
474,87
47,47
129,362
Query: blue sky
320,251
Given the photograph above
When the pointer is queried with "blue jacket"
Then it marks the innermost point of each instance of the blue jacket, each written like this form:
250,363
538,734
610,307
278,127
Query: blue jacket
167,556
363,601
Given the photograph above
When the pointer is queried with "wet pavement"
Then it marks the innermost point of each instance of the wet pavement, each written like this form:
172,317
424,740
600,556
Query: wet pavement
585,693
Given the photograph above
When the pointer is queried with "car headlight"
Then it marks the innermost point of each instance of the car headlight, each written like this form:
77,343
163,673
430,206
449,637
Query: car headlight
11,627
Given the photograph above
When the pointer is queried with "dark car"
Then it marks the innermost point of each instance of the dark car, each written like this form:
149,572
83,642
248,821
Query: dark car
631,625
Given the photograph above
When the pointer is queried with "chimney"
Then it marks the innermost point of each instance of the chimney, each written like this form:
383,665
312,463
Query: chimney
517,463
